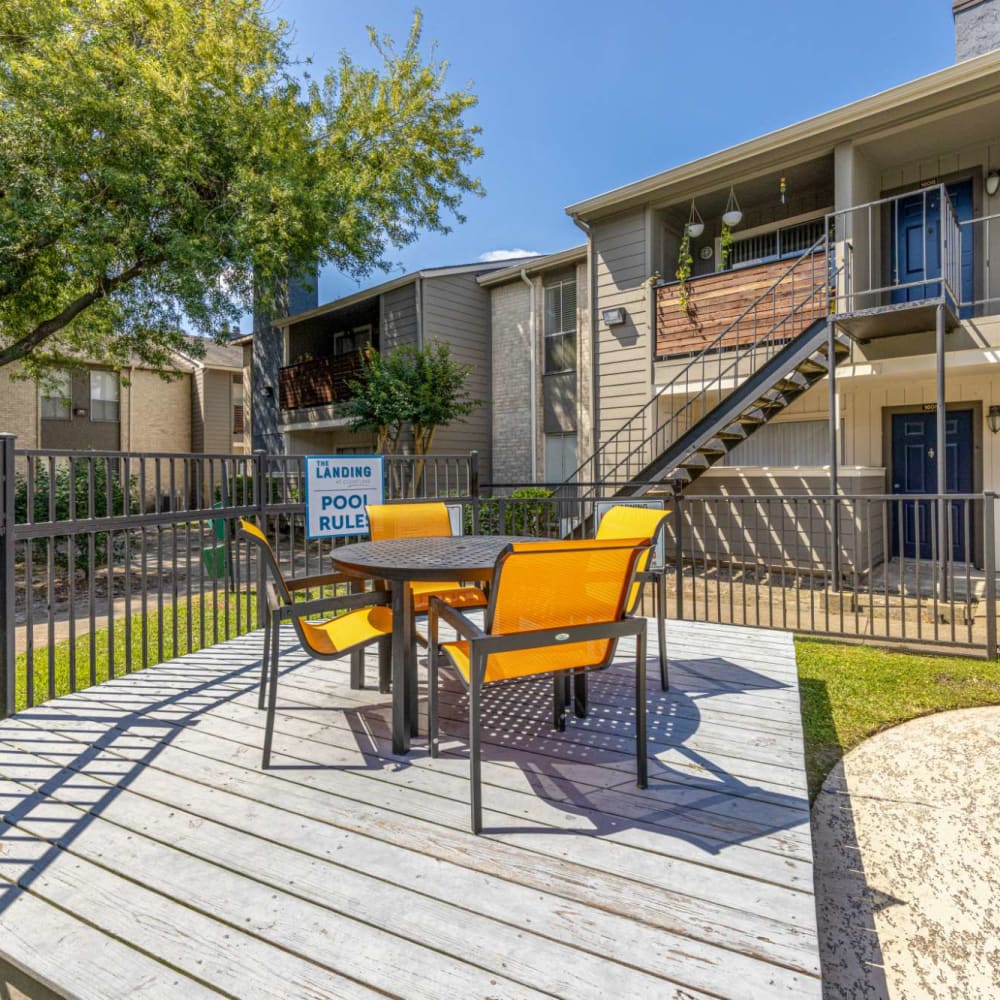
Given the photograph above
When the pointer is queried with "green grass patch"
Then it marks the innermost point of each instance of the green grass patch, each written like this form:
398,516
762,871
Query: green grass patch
850,692
180,629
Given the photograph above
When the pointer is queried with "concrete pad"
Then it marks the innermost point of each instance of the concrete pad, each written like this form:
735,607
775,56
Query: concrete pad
906,833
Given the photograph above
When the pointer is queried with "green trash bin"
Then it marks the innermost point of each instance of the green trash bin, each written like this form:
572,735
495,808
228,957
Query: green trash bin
217,558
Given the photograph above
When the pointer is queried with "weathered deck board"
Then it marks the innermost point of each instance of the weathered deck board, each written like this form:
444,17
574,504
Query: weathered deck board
346,871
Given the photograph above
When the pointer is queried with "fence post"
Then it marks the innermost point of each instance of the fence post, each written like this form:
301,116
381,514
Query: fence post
679,556
8,677
989,570
474,489
260,498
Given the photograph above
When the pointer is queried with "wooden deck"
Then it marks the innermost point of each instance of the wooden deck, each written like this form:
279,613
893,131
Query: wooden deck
144,854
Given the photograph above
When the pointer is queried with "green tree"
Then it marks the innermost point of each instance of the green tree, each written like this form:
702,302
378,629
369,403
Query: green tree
422,388
378,402
158,159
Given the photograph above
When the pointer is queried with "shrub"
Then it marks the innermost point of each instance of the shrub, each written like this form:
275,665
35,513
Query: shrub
526,511
73,496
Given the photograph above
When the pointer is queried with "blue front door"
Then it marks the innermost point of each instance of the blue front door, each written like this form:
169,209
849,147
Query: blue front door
916,244
914,471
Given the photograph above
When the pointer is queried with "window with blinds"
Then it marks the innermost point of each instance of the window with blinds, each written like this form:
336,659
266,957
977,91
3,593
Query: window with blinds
760,248
560,325
56,396
103,397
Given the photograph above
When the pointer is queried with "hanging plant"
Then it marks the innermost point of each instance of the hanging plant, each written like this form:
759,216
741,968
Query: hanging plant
684,264
725,246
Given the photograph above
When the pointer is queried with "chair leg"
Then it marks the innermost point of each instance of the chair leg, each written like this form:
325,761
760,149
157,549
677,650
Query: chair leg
432,682
358,656
358,670
559,701
385,665
580,698
475,769
641,764
272,697
264,661
661,629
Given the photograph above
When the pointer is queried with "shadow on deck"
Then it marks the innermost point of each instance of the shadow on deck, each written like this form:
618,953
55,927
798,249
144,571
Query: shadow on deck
144,853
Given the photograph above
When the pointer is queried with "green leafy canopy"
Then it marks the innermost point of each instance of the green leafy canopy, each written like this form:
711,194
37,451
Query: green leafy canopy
162,163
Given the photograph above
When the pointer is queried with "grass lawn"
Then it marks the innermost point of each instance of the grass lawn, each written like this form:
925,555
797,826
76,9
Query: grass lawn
179,630
850,692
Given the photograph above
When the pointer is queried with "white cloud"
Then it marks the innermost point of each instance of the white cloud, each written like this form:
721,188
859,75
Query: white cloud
493,255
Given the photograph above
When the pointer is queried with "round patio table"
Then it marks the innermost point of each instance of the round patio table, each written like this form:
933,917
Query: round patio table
402,561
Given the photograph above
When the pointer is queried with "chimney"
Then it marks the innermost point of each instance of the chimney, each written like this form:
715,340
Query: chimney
977,27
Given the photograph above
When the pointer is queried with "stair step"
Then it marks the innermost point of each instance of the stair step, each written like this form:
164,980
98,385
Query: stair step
734,432
697,461
753,416
716,446
795,379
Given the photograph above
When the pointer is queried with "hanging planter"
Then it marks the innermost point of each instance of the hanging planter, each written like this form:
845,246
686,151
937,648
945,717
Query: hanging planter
684,264
733,214
695,223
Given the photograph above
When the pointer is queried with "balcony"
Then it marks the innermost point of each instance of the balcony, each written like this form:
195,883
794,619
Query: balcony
723,307
319,382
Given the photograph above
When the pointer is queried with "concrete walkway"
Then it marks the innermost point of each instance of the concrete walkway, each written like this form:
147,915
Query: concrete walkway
907,846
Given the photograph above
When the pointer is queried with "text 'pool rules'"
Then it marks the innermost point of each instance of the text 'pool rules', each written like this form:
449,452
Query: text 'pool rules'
338,488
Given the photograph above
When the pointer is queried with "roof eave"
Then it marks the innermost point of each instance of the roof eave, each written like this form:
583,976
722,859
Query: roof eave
817,130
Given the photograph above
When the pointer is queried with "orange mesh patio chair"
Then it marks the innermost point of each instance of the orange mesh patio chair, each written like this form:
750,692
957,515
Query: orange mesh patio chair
623,521
555,608
422,520
366,619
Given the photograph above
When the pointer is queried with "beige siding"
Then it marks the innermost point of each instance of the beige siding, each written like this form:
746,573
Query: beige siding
217,412
456,310
778,534
624,353
399,318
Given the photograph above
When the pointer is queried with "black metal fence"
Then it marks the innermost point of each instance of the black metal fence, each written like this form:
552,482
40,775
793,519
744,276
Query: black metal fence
113,561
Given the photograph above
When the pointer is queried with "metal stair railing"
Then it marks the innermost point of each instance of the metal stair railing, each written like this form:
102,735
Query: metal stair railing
773,319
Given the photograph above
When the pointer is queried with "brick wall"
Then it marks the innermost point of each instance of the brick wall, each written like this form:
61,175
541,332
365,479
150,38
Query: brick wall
511,387
156,415
19,409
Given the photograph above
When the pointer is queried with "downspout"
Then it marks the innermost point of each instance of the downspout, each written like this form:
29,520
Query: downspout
595,412
533,384
418,303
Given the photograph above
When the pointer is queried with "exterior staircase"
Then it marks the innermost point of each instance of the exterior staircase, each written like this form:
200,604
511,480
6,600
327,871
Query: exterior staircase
772,353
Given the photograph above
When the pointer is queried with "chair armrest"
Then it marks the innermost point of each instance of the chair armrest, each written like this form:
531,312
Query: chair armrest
510,641
650,575
462,625
346,602
318,580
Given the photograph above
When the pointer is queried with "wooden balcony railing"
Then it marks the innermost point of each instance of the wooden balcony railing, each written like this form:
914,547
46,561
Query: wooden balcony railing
318,382
717,300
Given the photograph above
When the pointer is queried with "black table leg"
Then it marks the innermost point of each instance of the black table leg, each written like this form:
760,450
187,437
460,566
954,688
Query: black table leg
402,642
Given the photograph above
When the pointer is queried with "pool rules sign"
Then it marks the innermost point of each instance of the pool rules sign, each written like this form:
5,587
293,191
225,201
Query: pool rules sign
338,488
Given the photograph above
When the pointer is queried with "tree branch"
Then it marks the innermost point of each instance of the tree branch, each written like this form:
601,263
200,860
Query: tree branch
20,348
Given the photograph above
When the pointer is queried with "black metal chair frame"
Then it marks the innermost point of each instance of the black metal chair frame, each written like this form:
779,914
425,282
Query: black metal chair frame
481,645
282,607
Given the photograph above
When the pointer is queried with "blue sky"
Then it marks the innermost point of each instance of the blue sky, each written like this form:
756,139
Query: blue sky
579,97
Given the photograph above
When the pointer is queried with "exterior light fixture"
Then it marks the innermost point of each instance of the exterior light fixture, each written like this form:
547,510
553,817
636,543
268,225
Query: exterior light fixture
695,224
993,419
993,182
613,317
733,214
268,391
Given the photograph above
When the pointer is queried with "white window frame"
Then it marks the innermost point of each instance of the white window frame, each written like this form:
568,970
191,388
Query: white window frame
65,380
547,287
95,375
770,227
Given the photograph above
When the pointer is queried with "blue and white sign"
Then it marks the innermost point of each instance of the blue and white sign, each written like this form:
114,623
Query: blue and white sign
338,488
